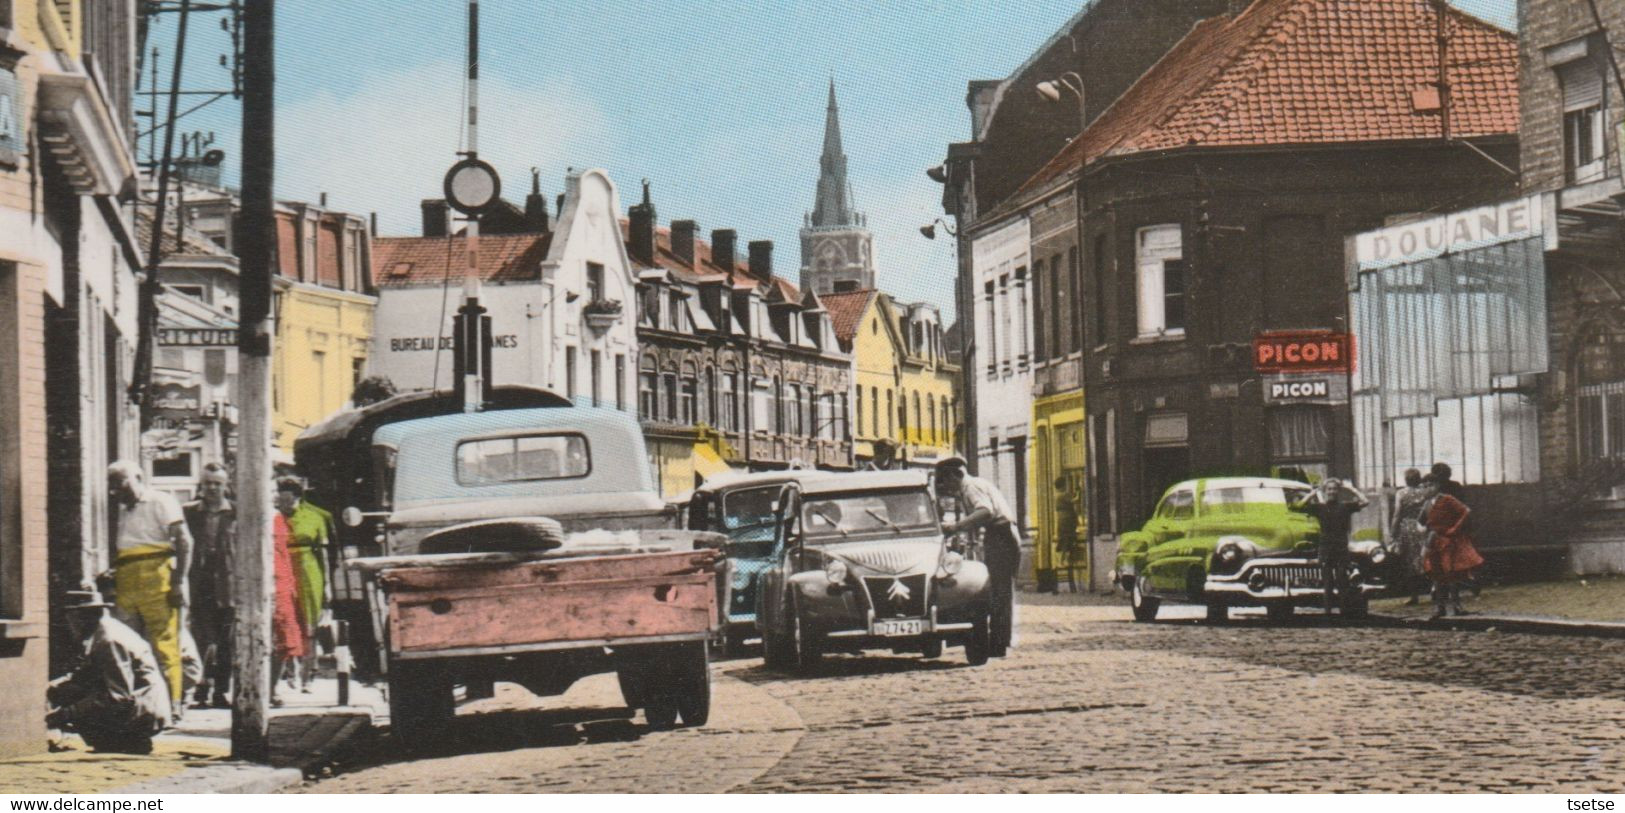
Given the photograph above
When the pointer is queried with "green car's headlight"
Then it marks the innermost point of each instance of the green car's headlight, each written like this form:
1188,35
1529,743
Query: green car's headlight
1232,550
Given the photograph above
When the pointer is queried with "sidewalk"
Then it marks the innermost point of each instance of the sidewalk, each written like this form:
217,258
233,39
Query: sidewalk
1589,606
309,732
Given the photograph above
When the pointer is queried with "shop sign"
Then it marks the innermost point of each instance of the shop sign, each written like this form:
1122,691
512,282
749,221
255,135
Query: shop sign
1436,236
1306,389
1303,352
176,401
197,336
412,344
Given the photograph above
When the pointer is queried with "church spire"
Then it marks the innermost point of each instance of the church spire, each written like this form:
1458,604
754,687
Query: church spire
834,204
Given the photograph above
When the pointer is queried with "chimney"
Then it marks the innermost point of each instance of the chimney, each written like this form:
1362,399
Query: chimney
682,239
761,259
724,246
535,204
372,224
436,218
641,229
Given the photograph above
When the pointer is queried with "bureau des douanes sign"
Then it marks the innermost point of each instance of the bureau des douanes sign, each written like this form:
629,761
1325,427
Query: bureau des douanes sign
1458,231
1303,352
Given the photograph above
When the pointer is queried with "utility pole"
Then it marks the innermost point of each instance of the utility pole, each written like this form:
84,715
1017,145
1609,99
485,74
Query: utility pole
252,579
472,188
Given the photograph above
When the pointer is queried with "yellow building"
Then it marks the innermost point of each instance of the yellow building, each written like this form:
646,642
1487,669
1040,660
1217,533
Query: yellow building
324,316
905,398
1058,474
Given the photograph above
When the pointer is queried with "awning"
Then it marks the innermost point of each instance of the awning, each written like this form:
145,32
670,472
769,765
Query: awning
707,462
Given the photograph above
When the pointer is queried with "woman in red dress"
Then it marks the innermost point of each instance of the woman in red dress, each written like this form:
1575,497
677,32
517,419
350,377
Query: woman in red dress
1450,558
288,643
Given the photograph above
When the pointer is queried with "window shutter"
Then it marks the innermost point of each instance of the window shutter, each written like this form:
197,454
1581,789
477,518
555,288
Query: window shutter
1582,85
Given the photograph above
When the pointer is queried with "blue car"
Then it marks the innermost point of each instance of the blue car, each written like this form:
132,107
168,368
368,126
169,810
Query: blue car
743,507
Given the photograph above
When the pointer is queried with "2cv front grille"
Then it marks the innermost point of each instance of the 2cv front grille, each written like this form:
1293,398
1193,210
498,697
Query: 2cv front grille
897,597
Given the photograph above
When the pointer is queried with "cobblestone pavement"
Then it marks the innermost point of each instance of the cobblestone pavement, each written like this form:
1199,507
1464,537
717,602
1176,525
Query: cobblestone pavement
1092,702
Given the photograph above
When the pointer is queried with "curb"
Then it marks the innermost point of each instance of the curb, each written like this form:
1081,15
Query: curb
229,777
1502,623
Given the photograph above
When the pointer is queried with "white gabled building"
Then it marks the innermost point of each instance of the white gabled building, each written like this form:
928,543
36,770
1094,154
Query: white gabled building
1001,358
560,299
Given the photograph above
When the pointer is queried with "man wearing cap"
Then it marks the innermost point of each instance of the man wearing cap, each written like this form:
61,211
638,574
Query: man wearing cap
153,561
117,698
212,521
986,508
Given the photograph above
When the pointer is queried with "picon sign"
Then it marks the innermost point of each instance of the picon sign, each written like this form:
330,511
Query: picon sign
1303,352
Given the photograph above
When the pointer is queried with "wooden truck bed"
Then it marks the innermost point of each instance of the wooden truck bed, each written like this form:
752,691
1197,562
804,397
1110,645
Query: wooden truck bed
485,605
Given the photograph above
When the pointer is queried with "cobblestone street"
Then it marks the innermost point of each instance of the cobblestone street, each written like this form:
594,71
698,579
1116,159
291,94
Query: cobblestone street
1090,702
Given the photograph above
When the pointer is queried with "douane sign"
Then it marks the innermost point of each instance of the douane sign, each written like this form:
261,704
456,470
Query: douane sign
1303,352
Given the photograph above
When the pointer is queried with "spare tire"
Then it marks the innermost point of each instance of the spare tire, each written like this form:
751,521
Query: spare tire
507,535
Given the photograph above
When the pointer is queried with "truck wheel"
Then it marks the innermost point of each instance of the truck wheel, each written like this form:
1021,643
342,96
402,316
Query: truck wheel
632,680
733,643
1279,611
932,648
693,685
776,649
420,701
1145,607
980,643
661,712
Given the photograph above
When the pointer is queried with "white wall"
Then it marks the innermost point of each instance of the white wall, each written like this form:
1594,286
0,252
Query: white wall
1004,397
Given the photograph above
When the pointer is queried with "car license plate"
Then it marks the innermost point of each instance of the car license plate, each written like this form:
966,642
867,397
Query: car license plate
892,629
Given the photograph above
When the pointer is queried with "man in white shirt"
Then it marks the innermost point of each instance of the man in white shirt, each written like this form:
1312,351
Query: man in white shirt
986,508
153,559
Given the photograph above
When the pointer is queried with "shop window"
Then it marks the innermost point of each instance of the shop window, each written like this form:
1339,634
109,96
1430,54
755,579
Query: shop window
1584,142
1160,262
1299,434
179,466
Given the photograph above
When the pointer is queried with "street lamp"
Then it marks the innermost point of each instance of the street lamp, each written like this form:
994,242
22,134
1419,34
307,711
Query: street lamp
930,229
1051,90
938,173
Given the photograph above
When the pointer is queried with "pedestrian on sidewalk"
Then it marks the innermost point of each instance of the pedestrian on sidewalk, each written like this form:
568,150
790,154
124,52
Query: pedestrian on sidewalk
1407,537
1442,472
289,644
1451,555
982,506
1066,532
1334,503
152,566
212,521
307,547
117,698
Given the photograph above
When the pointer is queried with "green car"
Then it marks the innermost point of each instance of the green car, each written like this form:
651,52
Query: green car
1224,542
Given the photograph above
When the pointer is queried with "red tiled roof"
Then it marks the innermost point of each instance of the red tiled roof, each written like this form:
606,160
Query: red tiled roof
704,268
403,262
1307,72
845,310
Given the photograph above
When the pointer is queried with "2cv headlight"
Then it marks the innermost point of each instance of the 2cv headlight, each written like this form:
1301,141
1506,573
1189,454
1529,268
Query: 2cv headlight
951,563
835,571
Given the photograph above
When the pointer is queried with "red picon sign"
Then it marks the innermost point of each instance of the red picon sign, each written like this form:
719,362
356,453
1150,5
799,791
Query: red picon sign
1303,352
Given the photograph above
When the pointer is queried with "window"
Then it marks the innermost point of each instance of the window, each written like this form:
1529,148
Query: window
620,381
891,414
1099,305
676,311
874,411
319,360
1161,267
761,392
522,458
1021,315
193,291
597,371
1042,347
730,402
1300,433
1074,272
690,396
570,373
1584,145
918,424
178,466
1178,505
778,406
595,282
708,398
668,383
648,393
860,408
931,409
1004,319
815,405
992,332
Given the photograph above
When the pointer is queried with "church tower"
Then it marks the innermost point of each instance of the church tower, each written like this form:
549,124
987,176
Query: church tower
837,250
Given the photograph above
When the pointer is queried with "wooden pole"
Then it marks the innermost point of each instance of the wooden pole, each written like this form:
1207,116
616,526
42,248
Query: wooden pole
252,583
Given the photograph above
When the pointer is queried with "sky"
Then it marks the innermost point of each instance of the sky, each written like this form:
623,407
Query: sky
718,103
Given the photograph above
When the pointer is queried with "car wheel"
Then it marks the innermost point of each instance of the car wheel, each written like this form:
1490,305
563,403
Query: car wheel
1218,612
1358,608
807,650
693,685
1279,611
980,643
420,701
1145,607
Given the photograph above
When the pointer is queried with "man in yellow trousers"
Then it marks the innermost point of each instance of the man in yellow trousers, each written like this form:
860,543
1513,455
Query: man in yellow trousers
150,566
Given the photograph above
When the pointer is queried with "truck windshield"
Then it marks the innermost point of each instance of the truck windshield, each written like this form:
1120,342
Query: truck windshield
748,514
843,515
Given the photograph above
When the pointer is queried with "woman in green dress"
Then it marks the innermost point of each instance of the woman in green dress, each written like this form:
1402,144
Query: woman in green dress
307,546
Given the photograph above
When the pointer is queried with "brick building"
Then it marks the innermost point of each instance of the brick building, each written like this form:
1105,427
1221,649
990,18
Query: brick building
67,312
1212,199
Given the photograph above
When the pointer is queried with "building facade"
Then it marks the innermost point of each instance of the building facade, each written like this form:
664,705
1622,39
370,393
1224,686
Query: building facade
904,396
737,368
67,307
559,297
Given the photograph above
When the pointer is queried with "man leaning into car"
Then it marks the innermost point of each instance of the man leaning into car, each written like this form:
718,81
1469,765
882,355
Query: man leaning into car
985,507
1334,503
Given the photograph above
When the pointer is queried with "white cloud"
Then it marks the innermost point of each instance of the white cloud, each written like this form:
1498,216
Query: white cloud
386,142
